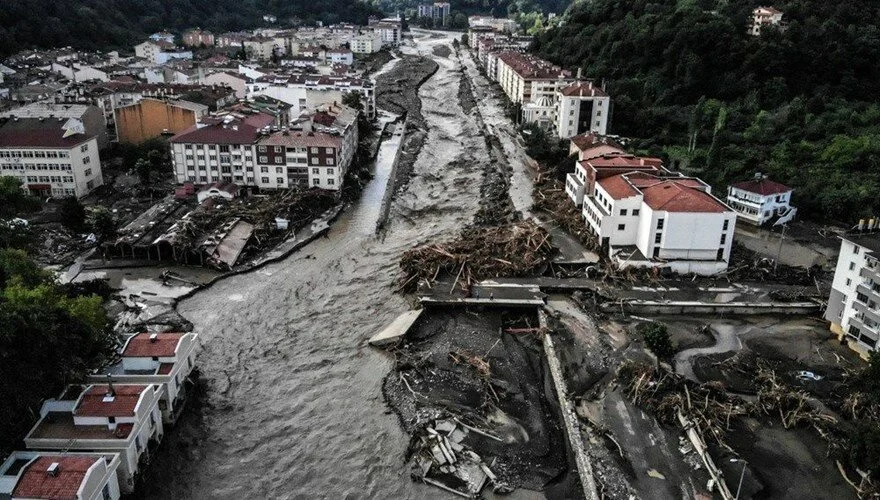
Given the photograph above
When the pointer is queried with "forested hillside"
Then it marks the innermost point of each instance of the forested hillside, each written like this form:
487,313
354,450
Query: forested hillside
101,24
799,104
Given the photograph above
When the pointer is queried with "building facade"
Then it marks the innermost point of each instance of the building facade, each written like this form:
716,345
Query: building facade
51,158
854,304
764,16
150,118
45,475
760,201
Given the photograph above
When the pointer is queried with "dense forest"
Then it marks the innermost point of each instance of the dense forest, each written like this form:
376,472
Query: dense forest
104,24
799,104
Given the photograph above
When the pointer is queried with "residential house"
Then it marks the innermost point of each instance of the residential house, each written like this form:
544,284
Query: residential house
164,359
50,156
759,201
764,16
673,223
601,161
35,475
102,418
235,81
854,304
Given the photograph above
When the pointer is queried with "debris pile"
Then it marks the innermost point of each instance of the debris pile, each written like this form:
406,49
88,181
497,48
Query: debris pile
440,458
479,253
549,196
746,265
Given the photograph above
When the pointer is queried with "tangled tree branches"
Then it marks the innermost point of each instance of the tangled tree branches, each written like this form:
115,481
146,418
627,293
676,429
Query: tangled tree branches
549,195
479,253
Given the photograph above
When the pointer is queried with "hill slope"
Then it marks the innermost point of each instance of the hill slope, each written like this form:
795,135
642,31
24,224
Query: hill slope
100,24
691,84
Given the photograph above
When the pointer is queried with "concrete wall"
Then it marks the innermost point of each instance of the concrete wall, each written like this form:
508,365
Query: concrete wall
151,118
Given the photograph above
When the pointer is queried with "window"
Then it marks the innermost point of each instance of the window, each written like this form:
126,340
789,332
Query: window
848,282
87,160
329,171
330,182
265,180
264,170
855,249
277,149
279,180
329,160
660,223
726,225
658,237
621,227
854,331
261,149
224,148
84,148
90,184
315,182
852,266
723,239
861,297
623,211
264,159
316,171
88,172
636,212
279,159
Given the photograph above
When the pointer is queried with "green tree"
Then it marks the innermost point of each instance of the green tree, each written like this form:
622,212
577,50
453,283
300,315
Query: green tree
13,199
657,339
353,100
102,223
73,214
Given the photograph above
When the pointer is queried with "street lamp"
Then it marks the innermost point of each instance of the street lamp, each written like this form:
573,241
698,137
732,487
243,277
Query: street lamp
741,475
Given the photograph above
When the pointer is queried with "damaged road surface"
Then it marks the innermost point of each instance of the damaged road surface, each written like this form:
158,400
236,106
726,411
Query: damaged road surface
473,389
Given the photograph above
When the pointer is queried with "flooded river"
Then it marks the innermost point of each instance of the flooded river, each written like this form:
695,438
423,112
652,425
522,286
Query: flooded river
293,406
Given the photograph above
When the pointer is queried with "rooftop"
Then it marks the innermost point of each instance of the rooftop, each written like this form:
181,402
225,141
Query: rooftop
531,67
762,186
219,132
302,139
867,239
100,401
676,194
583,88
147,345
59,425
38,133
63,483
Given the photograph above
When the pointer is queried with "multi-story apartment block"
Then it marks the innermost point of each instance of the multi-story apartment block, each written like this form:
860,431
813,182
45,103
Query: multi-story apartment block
91,116
524,77
35,475
305,92
105,418
315,152
764,16
760,201
160,52
854,304
662,222
367,43
52,157
165,359
438,11
602,161
389,31
197,38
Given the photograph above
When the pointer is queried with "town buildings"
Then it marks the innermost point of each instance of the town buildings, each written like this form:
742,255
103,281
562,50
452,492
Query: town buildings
367,43
314,151
304,92
759,201
674,223
163,359
35,475
149,118
102,418
854,303
197,38
439,12
160,52
764,16
91,116
50,156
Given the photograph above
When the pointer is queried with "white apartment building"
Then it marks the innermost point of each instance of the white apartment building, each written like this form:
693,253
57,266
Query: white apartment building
123,419
603,160
367,43
36,475
304,92
649,221
582,108
524,77
51,157
160,52
165,359
764,16
389,32
854,304
759,201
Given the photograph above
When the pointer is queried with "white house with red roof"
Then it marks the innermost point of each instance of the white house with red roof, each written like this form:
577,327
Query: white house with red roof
60,476
165,359
764,16
102,418
646,220
603,160
580,108
761,200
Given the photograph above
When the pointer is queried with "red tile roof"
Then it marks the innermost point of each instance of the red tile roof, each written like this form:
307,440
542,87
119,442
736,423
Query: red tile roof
92,404
589,139
618,187
36,482
37,133
583,89
762,187
140,345
302,139
233,133
531,67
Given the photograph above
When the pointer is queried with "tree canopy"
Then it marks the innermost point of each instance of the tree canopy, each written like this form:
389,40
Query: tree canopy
688,83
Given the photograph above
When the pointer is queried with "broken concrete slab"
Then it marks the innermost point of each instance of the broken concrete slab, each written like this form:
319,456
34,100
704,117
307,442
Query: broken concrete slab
395,331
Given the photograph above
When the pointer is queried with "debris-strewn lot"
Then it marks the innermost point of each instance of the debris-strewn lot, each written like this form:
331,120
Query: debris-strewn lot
479,253
471,389
397,91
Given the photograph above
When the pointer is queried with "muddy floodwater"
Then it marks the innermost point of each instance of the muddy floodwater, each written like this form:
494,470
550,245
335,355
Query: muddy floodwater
292,406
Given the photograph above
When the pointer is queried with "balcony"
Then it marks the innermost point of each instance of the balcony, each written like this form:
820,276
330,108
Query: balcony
865,311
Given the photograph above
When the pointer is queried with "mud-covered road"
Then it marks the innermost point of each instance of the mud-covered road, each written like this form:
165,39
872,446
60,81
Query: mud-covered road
292,405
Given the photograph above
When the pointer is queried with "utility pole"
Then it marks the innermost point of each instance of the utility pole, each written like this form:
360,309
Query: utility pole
779,251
